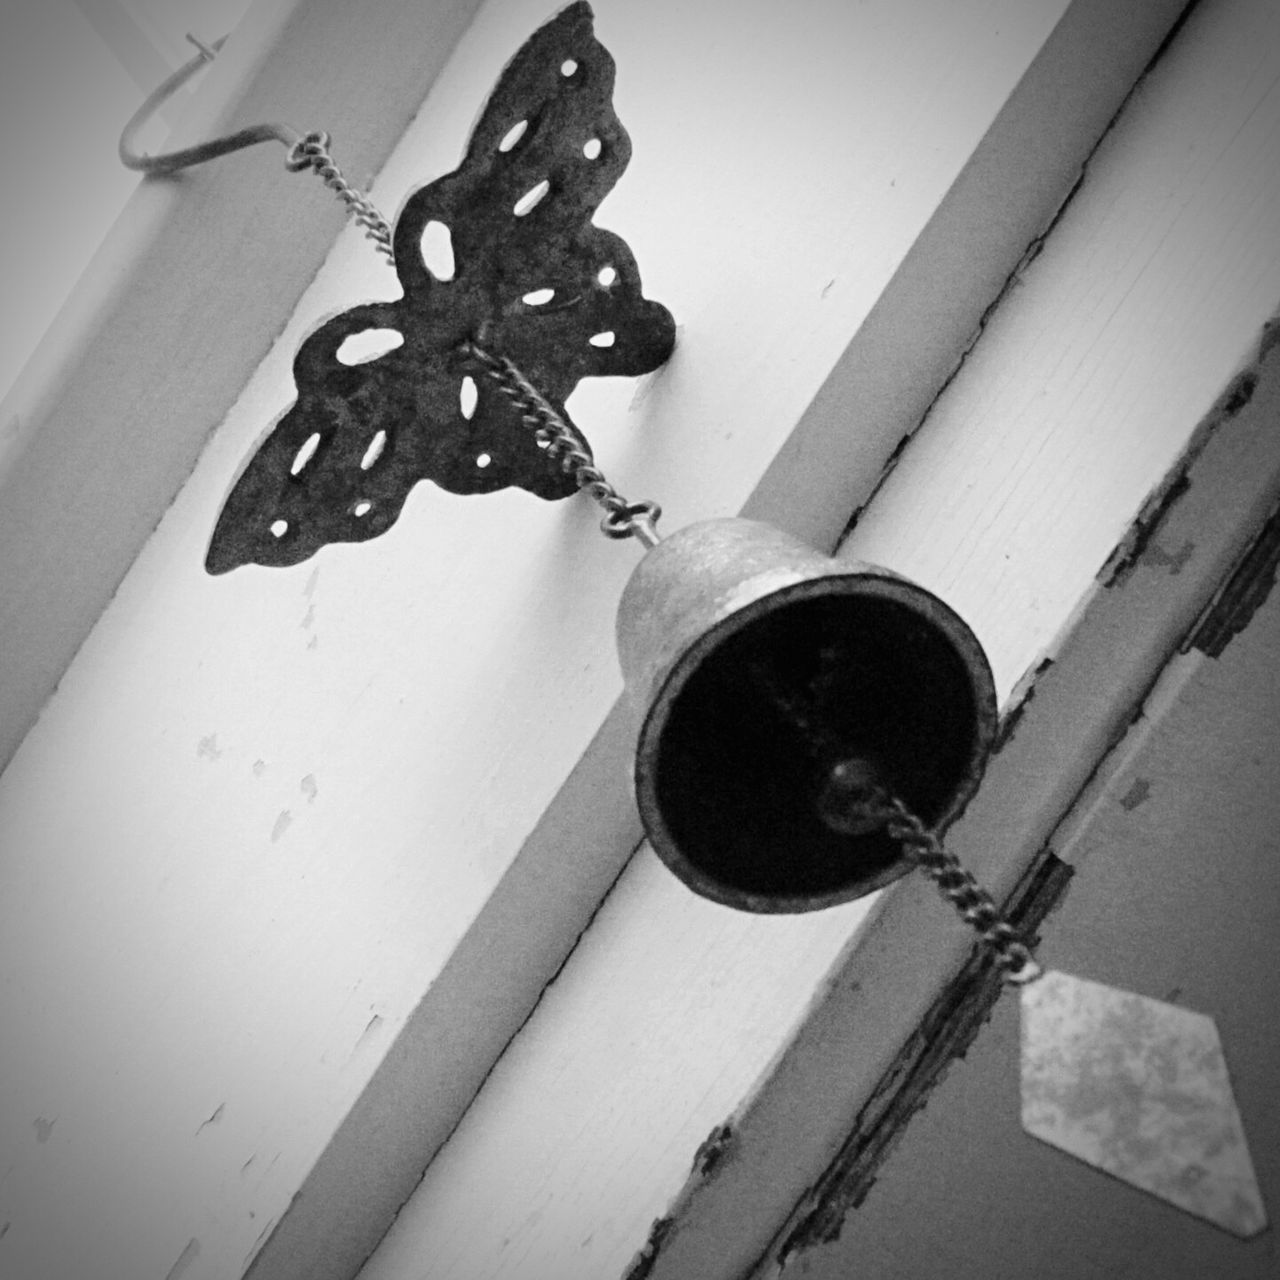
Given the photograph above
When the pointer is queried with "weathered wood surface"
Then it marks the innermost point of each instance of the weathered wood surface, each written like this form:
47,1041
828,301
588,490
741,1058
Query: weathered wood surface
1091,379
1103,693
290,855
1175,896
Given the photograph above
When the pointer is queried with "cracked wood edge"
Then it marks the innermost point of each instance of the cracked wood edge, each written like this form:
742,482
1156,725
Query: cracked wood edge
1170,519
1137,624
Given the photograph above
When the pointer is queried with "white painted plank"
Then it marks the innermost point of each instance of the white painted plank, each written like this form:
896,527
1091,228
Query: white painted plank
196,279
307,834
670,1008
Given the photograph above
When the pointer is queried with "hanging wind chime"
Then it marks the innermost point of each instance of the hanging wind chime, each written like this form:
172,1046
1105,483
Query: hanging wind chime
808,728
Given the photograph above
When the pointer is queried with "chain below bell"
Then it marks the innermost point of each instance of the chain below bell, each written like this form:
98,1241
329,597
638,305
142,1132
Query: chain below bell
774,686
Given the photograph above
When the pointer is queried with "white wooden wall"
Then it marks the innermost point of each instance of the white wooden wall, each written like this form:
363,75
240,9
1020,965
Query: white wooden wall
691,1073
290,854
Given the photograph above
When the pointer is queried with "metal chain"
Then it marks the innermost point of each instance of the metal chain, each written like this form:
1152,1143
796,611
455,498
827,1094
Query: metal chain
622,519
311,151
957,884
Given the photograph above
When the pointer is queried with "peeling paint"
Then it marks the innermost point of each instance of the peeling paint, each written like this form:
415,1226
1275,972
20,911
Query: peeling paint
185,1259
214,1118
1156,557
1137,546
645,1259
1132,548
282,825
260,1241
1136,794
1019,701
1270,338
309,788
712,1151
370,1030
43,1128
207,748
1242,596
944,1034
890,464
1239,393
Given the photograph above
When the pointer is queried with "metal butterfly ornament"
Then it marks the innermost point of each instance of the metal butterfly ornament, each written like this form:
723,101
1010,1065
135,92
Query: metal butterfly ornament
533,280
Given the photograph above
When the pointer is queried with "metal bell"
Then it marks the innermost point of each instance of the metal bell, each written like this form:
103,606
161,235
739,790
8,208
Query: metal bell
773,684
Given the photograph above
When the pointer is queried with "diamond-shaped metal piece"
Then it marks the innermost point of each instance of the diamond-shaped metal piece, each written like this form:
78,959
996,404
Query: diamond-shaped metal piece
1139,1089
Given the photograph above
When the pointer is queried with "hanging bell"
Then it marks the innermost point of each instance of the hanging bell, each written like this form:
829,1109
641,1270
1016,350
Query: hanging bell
775,685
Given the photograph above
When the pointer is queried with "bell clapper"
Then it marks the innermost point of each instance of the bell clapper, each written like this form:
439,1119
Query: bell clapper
849,786
851,797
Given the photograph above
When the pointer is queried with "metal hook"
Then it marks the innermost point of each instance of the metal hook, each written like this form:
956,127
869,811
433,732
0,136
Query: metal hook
173,161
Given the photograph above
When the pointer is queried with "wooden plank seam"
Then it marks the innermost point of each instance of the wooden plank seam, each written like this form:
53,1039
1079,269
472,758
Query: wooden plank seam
956,1016
1015,277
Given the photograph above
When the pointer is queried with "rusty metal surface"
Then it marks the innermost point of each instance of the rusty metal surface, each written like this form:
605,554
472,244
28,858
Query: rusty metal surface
1138,1088
341,462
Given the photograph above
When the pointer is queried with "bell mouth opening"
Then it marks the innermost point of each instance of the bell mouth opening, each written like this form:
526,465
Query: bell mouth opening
743,751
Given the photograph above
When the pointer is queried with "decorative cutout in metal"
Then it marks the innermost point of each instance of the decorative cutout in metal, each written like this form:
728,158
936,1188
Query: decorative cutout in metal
503,252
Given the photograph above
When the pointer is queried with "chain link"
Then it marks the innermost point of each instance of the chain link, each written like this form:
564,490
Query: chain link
311,151
622,519
956,883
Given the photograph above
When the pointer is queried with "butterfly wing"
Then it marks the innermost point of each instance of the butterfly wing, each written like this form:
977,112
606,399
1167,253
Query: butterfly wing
532,279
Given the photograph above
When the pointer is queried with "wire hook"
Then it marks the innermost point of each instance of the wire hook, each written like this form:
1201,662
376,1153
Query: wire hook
173,161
